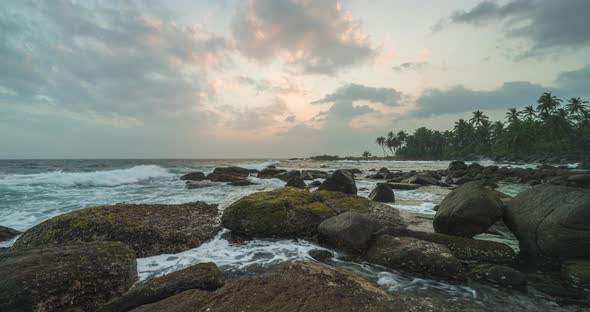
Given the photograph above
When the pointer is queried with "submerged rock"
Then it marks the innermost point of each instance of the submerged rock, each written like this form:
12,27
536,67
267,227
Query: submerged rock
204,276
552,221
294,286
79,277
321,255
500,275
291,212
414,255
340,181
382,193
193,176
241,182
7,233
350,231
149,229
468,210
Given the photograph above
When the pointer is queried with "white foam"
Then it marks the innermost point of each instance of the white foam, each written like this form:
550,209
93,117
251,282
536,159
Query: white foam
132,175
425,208
260,166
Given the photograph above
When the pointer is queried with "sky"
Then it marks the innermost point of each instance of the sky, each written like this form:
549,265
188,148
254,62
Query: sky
271,78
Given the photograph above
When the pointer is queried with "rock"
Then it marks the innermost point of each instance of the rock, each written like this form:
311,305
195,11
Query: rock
7,233
457,165
414,255
382,193
423,178
315,183
204,276
462,248
320,255
80,277
290,212
340,181
577,272
193,176
462,180
296,182
149,229
467,211
241,182
474,168
580,179
384,171
500,275
350,231
294,286
355,171
228,174
269,173
287,176
198,184
551,220
403,186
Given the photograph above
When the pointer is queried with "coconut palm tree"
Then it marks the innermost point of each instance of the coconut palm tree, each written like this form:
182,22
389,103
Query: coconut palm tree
512,115
548,103
529,113
575,106
381,142
478,118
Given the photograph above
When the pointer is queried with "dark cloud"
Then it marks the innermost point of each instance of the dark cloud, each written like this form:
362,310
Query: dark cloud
356,92
313,36
460,99
111,59
546,24
410,66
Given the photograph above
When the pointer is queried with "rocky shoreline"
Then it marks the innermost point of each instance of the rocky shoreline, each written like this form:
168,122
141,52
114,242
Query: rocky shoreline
86,260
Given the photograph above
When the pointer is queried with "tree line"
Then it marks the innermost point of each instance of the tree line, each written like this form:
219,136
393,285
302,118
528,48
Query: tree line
552,129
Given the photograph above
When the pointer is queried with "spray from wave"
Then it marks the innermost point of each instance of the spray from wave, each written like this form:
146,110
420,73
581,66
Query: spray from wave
137,174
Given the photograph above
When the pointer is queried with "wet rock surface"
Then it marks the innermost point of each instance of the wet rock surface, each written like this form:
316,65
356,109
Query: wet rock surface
7,233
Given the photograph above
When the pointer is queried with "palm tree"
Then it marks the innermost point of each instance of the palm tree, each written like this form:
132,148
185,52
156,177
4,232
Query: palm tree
512,115
529,113
575,106
381,142
548,103
478,118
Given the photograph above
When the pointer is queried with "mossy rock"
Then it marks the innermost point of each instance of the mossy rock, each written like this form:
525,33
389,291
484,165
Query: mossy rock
148,229
78,277
291,212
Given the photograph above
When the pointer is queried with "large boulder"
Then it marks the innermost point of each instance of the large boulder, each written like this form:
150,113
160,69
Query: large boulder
290,212
350,231
287,176
80,277
423,178
340,181
204,276
551,220
149,229
467,211
297,287
414,255
382,193
193,176
457,165
7,233
228,174
269,173
580,179
297,182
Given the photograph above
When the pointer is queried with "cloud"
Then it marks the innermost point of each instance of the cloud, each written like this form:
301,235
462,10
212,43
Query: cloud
249,118
545,24
356,92
285,86
315,37
114,59
409,66
460,99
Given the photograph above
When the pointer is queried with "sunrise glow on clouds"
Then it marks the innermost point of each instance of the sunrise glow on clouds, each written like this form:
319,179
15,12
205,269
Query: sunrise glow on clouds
270,78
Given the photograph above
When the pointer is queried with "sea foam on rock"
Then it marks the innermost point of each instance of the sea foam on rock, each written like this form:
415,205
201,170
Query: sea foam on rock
77,277
149,229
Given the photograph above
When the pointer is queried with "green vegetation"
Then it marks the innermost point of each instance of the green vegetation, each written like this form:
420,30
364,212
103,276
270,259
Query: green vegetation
551,130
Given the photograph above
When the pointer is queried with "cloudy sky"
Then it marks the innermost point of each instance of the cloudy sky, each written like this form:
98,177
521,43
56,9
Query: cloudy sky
271,78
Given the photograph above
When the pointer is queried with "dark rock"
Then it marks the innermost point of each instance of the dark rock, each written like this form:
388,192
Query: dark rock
316,174
500,275
462,180
228,174
287,176
403,186
414,255
577,273
315,183
296,182
241,182
321,255
354,171
204,276
490,169
294,286
459,173
423,178
457,165
198,184
149,229
580,179
551,220
193,176
7,233
382,193
475,168
350,231
290,212
269,173
467,211
340,181
80,277
384,170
